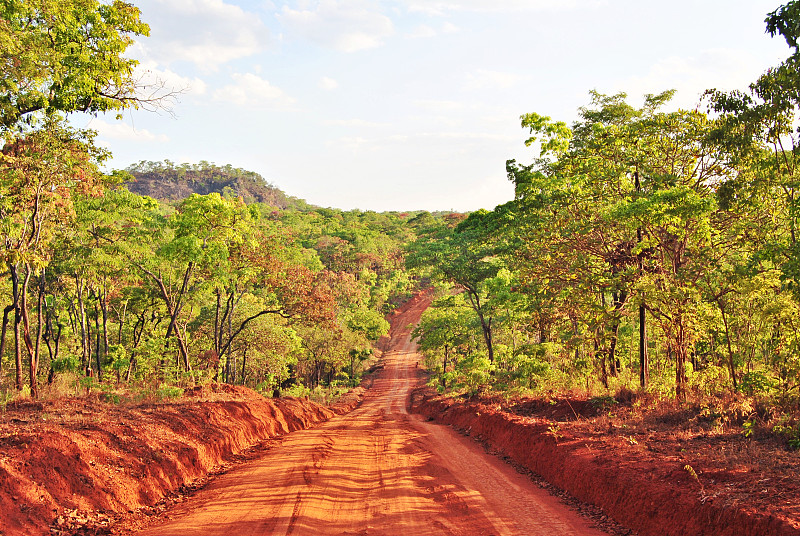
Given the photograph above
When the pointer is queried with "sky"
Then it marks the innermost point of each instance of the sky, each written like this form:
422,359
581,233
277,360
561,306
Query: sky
399,105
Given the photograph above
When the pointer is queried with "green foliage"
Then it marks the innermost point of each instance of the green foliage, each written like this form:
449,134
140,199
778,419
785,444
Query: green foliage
709,381
756,382
603,403
680,222
67,363
748,427
790,432
474,373
168,392
66,55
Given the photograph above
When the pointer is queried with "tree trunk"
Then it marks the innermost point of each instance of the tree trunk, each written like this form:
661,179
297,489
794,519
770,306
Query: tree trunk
731,364
486,326
601,356
33,356
122,319
444,366
13,269
18,347
39,321
98,347
173,308
644,358
103,297
3,333
244,366
86,356
680,374
618,299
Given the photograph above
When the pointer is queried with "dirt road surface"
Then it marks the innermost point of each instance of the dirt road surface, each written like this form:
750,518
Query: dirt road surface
376,471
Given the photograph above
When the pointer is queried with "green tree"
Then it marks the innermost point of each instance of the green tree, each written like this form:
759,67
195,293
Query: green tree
464,256
67,55
39,173
444,328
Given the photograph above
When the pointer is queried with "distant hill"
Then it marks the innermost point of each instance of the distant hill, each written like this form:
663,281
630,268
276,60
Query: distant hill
167,181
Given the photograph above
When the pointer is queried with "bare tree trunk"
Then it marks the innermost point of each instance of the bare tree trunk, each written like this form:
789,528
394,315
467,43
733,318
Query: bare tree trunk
13,269
601,355
644,358
98,347
731,364
444,366
86,355
39,321
33,356
486,325
244,366
18,347
104,309
3,333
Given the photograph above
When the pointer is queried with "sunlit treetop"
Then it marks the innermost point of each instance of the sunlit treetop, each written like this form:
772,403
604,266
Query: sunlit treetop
65,56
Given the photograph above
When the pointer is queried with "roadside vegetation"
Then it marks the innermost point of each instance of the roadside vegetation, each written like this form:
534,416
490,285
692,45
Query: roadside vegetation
147,281
648,256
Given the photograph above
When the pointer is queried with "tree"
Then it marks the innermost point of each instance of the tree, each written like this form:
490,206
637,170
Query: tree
622,206
757,128
464,256
445,326
39,173
65,56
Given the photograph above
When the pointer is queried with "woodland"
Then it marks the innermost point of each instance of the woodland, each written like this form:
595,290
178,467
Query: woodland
647,251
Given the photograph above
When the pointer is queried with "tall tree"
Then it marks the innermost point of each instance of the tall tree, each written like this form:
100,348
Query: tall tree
67,55
39,173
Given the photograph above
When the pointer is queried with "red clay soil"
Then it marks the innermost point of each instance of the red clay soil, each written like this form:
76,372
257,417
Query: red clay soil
375,471
646,488
371,471
67,462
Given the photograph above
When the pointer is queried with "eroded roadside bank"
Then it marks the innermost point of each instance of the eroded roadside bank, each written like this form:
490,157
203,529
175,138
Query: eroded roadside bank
650,494
76,461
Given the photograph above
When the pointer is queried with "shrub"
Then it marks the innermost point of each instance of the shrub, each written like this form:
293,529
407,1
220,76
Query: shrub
68,363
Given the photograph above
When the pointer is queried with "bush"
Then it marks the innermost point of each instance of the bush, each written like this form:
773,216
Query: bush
165,392
756,383
69,363
710,381
475,373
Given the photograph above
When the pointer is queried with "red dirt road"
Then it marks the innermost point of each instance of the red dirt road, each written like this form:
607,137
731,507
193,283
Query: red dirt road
377,470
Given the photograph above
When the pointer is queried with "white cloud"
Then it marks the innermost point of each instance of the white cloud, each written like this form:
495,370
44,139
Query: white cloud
346,26
439,105
353,123
442,7
423,30
207,33
349,144
253,91
449,27
328,84
151,75
486,79
729,68
124,132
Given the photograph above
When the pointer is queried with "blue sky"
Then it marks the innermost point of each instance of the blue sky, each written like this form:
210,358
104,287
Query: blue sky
412,104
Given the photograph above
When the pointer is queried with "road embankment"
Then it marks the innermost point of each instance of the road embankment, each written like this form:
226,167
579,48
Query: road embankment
652,497
77,461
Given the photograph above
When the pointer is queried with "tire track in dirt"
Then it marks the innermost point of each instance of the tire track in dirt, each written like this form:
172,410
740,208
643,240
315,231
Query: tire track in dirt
375,471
